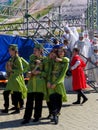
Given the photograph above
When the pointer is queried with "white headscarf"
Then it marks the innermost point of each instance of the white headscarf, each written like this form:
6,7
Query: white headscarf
75,32
70,37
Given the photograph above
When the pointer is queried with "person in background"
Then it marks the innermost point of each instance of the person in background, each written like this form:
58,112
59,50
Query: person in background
70,36
75,32
81,45
55,84
68,51
87,53
84,46
88,70
94,59
94,42
78,76
56,41
16,84
68,54
87,44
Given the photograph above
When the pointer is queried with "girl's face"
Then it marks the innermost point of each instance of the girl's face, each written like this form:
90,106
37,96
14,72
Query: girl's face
94,42
36,52
74,53
12,52
52,55
61,53
80,38
96,51
66,43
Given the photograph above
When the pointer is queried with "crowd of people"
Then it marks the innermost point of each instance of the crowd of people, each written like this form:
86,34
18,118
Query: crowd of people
46,75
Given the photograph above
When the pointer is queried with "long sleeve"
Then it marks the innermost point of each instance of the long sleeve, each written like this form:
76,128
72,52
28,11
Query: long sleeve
17,67
75,65
25,65
60,78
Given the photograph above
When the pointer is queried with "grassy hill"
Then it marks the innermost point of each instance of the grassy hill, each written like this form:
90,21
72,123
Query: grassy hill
36,8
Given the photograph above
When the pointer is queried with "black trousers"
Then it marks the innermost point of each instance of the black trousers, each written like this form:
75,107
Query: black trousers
13,98
38,98
6,98
55,103
80,94
49,107
17,97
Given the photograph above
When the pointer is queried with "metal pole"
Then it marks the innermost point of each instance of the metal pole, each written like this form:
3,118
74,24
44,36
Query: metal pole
59,18
93,15
97,14
91,18
87,15
27,21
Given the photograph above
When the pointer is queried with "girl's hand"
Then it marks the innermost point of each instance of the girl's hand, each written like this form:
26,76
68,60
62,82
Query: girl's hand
48,85
36,72
58,59
53,86
38,61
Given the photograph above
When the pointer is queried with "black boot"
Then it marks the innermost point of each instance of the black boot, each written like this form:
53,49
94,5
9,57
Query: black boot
13,108
84,97
84,100
16,111
77,102
55,119
78,99
4,111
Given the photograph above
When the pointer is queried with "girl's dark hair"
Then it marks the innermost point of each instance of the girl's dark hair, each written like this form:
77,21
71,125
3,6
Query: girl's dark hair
55,41
65,41
63,50
76,50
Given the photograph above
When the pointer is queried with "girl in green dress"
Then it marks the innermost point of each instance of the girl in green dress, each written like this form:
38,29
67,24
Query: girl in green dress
21,101
47,64
56,89
36,85
16,84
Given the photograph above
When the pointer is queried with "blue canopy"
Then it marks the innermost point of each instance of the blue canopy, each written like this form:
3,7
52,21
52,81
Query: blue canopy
25,46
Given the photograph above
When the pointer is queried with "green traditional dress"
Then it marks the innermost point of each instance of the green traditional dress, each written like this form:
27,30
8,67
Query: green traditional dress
58,73
47,66
37,83
25,65
16,80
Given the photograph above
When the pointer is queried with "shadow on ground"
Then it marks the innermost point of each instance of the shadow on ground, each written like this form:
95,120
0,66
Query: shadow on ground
17,123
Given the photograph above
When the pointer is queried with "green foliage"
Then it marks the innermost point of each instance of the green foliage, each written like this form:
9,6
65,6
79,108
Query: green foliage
2,19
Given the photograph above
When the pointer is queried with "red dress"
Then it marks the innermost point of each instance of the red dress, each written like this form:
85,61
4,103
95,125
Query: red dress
78,76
